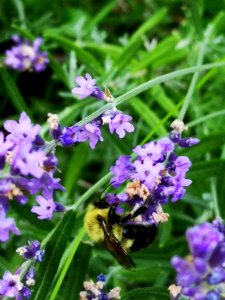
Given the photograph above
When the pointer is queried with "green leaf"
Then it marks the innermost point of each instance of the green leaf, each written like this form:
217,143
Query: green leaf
147,294
55,248
77,272
66,263
134,43
57,68
14,93
146,114
84,56
163,100
77,162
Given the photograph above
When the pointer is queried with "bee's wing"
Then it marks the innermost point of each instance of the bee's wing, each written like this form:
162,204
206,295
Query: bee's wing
111,243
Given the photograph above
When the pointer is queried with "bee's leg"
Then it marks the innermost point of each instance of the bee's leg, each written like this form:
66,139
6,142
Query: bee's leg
142,209
136,213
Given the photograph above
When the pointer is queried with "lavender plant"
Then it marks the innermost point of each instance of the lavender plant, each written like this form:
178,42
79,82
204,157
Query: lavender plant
162,62
18,285
201,274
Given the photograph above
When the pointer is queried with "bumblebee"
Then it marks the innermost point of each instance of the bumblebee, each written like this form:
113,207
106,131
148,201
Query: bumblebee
115,233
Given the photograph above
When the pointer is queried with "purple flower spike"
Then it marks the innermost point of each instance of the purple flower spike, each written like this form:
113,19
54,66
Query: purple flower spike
197,276
10,285
46,208
32,250
120,124
7,225
86,87
24,129
26,56
203,239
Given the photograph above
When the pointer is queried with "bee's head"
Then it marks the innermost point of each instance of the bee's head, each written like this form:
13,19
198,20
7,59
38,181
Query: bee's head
101,203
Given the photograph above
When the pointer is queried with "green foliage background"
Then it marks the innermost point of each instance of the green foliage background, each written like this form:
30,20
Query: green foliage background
128,46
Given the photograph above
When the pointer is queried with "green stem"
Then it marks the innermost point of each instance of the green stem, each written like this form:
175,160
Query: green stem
145,86
205,118
195,77
21,13
91,191
215,199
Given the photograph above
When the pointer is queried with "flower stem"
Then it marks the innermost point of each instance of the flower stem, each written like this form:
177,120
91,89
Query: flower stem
195,77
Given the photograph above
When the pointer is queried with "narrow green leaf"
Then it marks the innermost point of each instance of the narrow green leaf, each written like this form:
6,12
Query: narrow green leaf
54,250
163,100
77,272
74,246
134,43
101,15
84,56
150,118
57,68
13,92
77,161
161,50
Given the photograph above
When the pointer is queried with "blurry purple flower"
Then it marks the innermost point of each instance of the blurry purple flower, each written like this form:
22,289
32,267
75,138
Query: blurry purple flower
120,124
10,285
25,56
86,87
45,209
202,276
188,142
203,239
7,225
24,293
91,132
24,129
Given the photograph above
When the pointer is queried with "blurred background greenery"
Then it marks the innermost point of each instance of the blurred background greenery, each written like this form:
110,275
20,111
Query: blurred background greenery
122,44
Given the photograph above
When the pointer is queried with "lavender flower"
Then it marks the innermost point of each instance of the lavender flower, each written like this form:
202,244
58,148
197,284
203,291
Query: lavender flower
26,56
45,209
32,250
14,285
202,276
154,177
10,285
120,124
86,87
116,120
91,132
7,226
95,291
28,165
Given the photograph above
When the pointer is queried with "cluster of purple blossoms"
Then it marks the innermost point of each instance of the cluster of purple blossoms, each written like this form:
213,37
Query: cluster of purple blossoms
154,177
26,56
27,167
116,120
94,291
17,285
201,276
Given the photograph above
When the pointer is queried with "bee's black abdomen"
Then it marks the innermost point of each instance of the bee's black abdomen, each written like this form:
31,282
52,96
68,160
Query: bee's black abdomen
143,235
